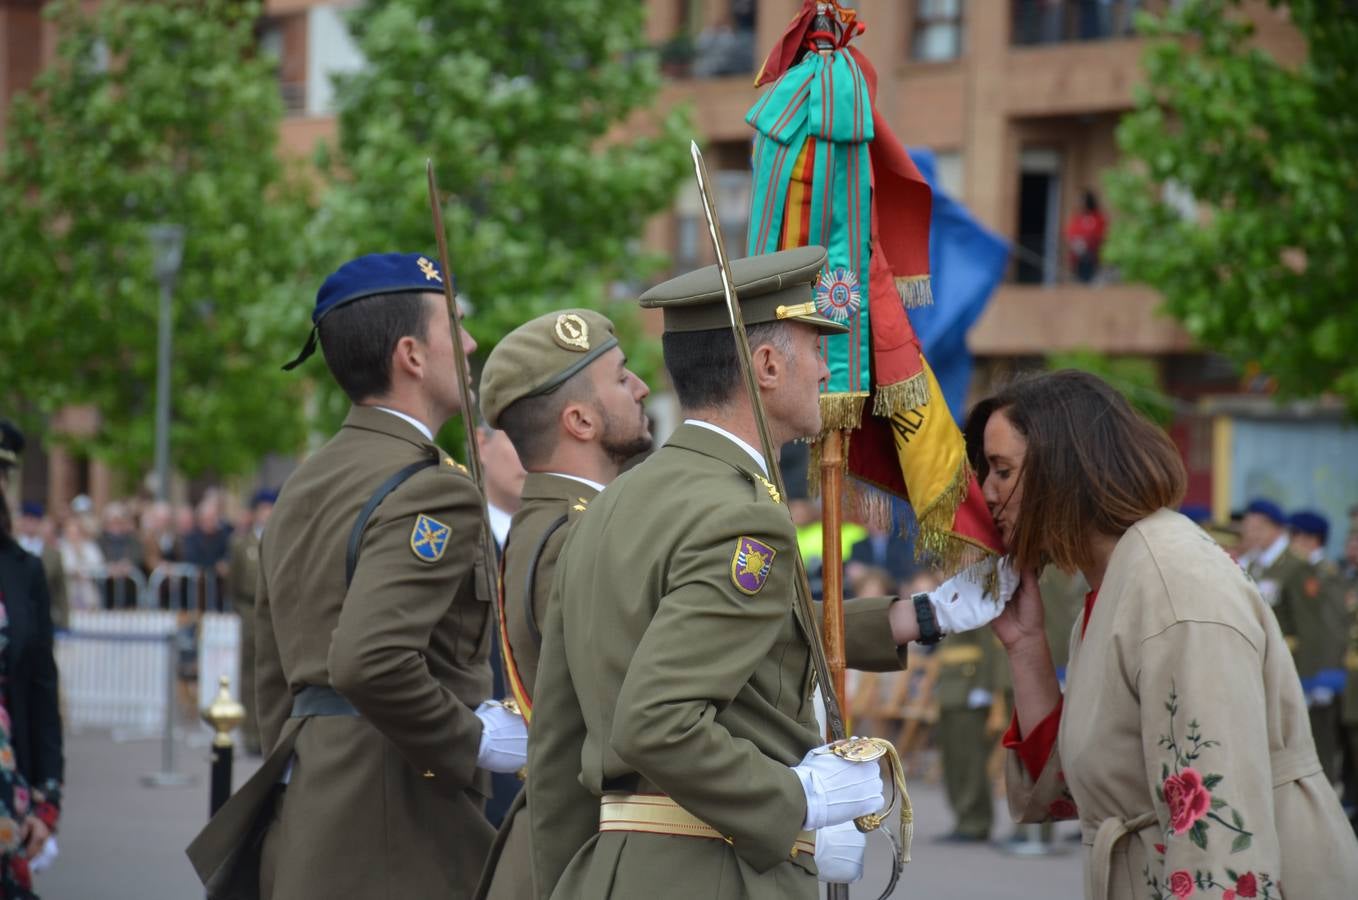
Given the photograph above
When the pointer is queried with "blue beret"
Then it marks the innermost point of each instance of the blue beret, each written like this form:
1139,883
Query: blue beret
1196,512
263,495
31,508
1310,522
367,276
1268,509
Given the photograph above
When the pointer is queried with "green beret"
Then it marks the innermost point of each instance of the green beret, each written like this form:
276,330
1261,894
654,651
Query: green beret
539,356
774,287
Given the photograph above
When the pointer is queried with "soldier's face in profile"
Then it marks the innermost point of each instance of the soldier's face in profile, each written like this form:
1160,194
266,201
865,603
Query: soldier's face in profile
441,380
806,372
618,393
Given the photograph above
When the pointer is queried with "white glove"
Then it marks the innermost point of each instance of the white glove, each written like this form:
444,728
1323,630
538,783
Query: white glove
962,604
504,739
838,790
839,853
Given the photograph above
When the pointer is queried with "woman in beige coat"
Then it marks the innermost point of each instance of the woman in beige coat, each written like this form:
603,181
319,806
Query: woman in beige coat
1182,743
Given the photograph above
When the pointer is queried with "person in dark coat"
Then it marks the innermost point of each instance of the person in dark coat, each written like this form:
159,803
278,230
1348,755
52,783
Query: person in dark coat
31,759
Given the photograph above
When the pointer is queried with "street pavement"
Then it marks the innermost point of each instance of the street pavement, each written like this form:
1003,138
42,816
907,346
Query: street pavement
121,840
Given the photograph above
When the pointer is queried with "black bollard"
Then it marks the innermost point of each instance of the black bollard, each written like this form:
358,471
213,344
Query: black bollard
223,714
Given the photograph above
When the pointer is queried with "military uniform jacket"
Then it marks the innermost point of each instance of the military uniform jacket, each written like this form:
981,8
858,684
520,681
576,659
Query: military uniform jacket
386,804
550,505
674,662
1310,613
968,662
1184,747
1349,709
547,501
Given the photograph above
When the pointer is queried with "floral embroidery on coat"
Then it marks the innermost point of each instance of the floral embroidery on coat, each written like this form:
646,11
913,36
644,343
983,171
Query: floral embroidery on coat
1193,809
1188,793
16,882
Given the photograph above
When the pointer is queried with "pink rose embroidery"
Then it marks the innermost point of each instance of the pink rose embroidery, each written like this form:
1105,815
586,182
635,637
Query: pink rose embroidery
1181,884
1246,885
20,800
1187,799
1228,894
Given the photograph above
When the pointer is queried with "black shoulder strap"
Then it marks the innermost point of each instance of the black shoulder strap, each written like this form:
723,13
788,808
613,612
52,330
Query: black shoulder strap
530,616
356,535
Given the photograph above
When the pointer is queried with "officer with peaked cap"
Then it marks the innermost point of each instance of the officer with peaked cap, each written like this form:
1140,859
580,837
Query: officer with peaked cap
559,387
675,751
373,629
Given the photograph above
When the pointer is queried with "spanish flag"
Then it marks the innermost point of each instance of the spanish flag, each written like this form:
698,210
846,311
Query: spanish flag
828,170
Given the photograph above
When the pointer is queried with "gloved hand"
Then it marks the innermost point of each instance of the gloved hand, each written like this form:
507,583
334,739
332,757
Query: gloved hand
838,790
962,604
504,739
839,853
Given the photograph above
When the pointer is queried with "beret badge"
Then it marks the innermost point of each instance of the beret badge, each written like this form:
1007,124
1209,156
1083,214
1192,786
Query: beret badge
572,333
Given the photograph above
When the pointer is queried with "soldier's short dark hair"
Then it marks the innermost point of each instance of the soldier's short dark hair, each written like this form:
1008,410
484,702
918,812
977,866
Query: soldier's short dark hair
359,338
703,366
530,422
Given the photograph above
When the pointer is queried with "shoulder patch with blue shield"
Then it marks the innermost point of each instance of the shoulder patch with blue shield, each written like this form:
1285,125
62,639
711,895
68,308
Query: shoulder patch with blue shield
429,538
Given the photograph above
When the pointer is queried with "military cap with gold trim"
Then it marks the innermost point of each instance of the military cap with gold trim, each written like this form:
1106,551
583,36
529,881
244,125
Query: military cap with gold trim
541,355
773,287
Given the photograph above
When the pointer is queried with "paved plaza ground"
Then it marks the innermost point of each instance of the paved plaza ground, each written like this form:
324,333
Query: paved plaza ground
123,841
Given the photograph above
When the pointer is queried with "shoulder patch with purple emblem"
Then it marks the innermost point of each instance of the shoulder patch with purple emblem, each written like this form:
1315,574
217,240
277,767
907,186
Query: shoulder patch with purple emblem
751,564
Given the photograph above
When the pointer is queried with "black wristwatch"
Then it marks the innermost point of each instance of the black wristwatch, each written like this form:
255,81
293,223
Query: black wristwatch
924,617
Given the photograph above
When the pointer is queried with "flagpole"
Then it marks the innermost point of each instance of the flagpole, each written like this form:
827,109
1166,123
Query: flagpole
832,560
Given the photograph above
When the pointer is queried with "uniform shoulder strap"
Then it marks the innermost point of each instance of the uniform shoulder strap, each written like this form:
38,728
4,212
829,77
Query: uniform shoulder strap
385,488
530,616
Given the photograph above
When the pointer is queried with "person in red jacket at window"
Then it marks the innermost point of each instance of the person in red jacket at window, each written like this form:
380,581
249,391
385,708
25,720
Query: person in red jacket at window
1084,237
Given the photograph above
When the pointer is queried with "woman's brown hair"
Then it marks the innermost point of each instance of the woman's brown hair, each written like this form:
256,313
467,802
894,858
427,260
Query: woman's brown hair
1093,464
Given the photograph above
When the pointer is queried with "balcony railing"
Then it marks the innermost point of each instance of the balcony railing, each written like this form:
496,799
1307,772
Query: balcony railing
713,53
1061,21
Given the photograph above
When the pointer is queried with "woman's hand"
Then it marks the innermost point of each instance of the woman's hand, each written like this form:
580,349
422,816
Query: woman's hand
34,835
1023,620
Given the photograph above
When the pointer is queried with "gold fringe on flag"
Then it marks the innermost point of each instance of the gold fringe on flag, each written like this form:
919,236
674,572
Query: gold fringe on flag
902,396
915,291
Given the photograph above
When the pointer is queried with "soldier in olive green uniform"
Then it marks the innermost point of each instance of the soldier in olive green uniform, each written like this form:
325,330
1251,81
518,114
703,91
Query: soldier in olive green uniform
241,578
970,679
1349,703
373,630
674,750
559,387
1311,616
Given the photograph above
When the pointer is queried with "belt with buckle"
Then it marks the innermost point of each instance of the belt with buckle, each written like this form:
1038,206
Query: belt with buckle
658,814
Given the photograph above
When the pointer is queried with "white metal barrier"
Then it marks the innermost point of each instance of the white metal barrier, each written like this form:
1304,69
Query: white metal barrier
218,655
114,667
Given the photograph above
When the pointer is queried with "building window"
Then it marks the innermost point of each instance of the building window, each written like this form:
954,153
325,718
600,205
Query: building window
938,30
1060,21
711,45
1038,250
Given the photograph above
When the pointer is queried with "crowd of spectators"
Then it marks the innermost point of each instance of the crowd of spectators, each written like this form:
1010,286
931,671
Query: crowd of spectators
110,558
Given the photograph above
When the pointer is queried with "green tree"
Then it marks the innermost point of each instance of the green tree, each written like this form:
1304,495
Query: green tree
1265,271
153,112
526,110
1136,378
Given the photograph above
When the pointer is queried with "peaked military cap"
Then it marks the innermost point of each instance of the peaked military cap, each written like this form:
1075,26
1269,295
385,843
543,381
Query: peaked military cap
367,276
773,287
1308,521
11,444
1268,509
541,355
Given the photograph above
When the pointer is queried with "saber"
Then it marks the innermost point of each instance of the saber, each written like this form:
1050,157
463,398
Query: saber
488,554
853,749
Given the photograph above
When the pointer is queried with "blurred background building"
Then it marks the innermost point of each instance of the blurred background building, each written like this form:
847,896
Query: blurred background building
1017,99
